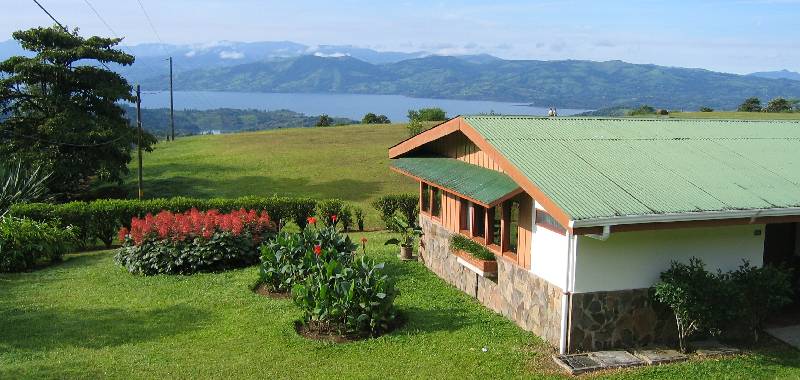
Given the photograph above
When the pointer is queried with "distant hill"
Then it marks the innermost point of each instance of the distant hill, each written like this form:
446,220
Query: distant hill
223,120
781,74
566,84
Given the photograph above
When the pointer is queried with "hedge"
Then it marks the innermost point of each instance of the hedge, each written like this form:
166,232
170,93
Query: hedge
25,243
389,205
101,219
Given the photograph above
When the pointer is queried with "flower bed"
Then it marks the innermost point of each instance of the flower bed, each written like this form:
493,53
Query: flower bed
194,241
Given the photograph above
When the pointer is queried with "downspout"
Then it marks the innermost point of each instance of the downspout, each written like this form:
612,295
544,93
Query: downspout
567,293
604,236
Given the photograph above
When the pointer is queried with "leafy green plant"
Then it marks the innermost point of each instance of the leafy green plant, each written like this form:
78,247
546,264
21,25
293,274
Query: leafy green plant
408,233
335,211
698,299
288,258
20,185
462,243
389,205
24,243
347,299
415,127
359,213
759,293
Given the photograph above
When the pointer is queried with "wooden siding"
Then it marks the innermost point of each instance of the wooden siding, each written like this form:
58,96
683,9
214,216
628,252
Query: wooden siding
458,146
525,227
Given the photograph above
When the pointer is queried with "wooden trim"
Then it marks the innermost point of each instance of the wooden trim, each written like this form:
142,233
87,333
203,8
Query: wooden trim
438,131
688,224
473,200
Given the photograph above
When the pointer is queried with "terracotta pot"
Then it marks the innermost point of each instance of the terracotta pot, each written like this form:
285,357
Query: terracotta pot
487,266
406,252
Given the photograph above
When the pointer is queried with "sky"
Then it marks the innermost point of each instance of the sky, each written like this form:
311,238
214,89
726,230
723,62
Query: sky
738,36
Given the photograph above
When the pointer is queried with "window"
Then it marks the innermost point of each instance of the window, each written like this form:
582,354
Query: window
464,217
425,198
512,225
546,220
479,221
436,204
495,230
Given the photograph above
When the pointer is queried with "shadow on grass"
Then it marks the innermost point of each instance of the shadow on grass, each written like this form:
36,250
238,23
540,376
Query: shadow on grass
427,320
47,329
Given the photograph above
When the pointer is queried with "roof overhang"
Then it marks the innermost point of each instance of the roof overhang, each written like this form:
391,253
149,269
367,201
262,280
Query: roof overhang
479,185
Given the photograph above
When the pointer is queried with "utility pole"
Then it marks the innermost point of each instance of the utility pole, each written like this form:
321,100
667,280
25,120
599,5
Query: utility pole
171,105
139,125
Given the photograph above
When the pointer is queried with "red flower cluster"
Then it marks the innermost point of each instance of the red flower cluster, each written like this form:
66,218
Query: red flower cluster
193,223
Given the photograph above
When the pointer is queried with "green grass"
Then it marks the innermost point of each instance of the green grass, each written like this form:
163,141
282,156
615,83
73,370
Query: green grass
736,115
87,318
348,162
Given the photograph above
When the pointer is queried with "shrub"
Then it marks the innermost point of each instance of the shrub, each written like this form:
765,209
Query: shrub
288,258
706,109
194,241
101,219
698,299
347,299
19,184
359,213
642,110
427,114
462,243
759,293
389,205
334,211
750,105
24,243
415,127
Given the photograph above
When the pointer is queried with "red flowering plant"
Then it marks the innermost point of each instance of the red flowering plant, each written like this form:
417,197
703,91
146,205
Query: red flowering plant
193,241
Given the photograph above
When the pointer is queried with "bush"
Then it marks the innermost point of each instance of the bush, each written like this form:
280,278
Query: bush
759,293
347,299
415,127
706,109
427,114
100,219
697,298
24,243
750,105
642,110
193,241
342,211
389,205
359,213
371,118
288,258
462,243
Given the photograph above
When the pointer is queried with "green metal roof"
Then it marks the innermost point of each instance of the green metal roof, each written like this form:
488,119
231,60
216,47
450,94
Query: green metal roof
601,168
480,184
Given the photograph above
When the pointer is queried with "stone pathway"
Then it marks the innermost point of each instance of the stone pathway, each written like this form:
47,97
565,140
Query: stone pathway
788,334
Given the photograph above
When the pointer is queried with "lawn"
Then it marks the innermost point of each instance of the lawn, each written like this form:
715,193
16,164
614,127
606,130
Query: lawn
348,162
87,318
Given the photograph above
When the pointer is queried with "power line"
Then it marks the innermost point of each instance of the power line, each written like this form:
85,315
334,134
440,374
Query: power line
51,16
101,18
149,21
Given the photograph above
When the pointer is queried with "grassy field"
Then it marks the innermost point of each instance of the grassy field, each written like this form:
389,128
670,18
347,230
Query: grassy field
736,115
349,162
88,318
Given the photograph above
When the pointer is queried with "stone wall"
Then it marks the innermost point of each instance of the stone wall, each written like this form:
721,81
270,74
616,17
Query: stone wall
533,303
624,318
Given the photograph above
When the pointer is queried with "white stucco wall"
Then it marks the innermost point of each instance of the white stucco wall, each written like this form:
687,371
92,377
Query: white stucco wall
548,253
630,260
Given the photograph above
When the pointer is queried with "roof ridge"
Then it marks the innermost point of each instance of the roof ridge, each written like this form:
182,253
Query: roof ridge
620,118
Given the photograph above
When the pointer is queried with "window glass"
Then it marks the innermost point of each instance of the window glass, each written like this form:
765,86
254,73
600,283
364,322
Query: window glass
464,217
496,215
426,198
513,226
479,217
436,207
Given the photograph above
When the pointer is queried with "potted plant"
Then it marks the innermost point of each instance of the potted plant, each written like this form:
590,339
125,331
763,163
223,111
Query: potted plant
473,253
407,235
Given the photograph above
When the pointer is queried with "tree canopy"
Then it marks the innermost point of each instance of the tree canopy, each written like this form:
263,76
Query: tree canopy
427,114
60,109
750,105
371,118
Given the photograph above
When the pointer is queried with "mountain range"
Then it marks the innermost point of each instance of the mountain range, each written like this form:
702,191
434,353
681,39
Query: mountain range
286,66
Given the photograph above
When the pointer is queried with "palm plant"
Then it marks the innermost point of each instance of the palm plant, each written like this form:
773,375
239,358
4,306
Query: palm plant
18,184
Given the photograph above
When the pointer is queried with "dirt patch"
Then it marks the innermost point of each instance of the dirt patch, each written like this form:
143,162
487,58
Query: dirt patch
263,290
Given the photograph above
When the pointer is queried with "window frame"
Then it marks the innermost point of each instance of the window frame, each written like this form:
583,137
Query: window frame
424,207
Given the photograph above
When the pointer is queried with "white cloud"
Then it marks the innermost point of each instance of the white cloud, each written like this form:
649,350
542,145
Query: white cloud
231,55
191,54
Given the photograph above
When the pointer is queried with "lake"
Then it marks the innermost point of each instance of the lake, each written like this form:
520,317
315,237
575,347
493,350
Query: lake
340,105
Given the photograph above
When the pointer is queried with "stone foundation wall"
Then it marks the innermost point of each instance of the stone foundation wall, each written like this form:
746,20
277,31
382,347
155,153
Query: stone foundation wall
624,318
533,303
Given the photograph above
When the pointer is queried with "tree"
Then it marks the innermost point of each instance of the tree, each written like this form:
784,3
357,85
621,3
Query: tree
370,118
383,119
324,121
62,113
795,103
750,105
706,109
427,114
642,110
415,127
778,105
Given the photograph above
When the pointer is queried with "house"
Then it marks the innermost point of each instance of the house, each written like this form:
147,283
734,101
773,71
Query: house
584,214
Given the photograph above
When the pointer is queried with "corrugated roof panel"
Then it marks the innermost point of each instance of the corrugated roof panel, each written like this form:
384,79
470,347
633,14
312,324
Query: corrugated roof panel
481,184
597,168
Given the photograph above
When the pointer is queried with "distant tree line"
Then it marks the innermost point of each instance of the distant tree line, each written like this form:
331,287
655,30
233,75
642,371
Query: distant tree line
775,105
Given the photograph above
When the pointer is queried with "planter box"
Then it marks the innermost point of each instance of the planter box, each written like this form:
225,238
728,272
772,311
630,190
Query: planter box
486,268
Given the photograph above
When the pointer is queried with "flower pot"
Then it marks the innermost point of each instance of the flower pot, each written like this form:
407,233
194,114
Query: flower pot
488,267
406,252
